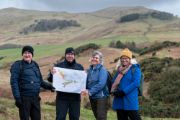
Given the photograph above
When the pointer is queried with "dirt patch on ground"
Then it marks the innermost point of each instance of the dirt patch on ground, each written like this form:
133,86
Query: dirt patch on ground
48,96
5,90
47,63
145,90
4,76
173,52
109,55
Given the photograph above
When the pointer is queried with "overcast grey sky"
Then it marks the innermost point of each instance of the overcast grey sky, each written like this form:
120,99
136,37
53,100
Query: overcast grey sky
172,6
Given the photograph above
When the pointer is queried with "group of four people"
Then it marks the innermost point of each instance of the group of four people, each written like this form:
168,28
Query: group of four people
26,80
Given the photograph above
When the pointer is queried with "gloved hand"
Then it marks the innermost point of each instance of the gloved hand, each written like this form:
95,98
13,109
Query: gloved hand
52,88
18,102
118,93
50,77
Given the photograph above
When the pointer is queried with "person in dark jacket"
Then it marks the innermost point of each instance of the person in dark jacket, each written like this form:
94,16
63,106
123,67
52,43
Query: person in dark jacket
125,88
67,102
96,86
26,80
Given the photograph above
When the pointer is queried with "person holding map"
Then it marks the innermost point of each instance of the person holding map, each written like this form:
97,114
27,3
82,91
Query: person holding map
65,101
96,86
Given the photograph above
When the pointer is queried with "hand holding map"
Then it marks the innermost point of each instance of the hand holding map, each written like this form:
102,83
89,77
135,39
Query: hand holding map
68,80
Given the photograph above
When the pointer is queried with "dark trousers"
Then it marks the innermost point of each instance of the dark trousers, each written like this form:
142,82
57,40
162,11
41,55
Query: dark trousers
99,108
128,114
63,106
30,108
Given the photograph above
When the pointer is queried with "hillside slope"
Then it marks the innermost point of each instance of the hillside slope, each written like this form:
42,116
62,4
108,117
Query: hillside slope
95,25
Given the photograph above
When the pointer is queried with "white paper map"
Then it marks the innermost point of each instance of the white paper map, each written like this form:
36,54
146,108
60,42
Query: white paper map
68,80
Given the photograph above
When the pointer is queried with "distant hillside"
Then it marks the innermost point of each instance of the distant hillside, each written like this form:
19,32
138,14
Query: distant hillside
100,24
116,12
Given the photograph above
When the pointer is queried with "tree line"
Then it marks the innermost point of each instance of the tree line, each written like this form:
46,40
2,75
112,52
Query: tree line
44,25
137,16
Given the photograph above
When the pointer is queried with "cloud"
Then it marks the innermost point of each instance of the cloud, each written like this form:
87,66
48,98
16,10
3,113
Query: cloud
169,6
90,5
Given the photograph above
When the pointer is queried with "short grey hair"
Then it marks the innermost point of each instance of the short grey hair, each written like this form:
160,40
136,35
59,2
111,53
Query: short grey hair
99,54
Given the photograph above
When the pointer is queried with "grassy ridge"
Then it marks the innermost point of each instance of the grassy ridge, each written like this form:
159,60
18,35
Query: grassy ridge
10,55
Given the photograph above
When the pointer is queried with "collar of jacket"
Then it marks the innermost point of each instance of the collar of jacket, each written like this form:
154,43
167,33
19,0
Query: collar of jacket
25,62
70,63
98,66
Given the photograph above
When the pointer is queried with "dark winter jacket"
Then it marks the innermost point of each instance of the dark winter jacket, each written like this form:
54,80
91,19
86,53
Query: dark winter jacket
65,95
26,79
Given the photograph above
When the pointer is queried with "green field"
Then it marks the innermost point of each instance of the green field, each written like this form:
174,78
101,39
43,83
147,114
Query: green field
41,51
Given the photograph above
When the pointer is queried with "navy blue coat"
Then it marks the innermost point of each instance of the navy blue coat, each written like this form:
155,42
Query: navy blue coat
26,79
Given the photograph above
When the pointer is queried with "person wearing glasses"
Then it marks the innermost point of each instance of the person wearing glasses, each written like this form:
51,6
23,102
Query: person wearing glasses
125,88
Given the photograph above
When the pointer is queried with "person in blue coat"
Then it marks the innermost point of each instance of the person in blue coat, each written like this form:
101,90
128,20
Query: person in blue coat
125,89
96,86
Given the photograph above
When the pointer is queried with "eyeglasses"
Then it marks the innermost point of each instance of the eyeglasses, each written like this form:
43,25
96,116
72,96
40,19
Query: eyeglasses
27,52
125,59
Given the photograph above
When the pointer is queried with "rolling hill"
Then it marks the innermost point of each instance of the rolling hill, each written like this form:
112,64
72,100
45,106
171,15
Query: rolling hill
100,24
